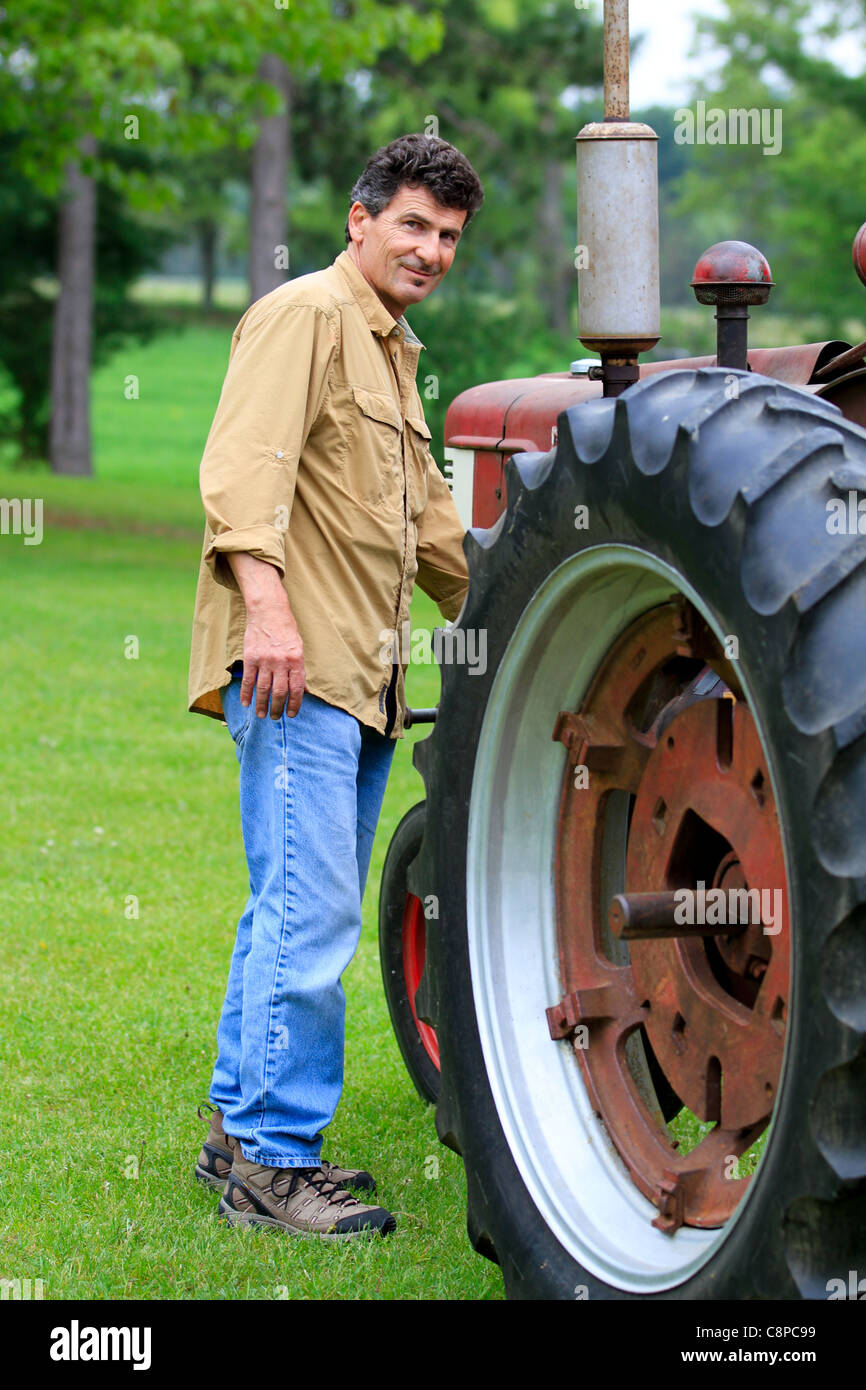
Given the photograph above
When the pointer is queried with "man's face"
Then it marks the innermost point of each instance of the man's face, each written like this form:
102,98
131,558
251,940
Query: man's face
405,252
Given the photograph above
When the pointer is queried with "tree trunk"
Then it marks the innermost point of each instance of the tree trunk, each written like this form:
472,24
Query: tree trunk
207,244
69,439
269,228
558,282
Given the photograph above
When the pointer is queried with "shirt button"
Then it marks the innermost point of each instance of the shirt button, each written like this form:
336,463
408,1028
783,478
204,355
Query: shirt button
396,332
279,453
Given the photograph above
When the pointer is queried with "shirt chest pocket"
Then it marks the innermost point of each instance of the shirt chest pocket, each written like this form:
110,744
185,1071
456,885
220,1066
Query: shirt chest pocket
375,463
418,461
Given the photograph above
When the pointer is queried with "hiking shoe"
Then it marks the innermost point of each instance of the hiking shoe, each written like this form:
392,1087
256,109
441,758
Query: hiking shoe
218,1151
299,1200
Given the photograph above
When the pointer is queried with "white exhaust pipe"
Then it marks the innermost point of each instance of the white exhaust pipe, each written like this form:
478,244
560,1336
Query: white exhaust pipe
617,218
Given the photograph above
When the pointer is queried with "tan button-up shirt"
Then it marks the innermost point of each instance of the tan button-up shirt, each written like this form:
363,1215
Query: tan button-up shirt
318,462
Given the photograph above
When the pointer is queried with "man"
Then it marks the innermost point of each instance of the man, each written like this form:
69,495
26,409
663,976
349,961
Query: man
323,507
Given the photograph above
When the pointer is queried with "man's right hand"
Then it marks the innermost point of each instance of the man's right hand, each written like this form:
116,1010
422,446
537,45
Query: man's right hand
273,649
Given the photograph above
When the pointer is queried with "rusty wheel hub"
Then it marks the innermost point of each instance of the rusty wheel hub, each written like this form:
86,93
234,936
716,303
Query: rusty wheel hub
671,910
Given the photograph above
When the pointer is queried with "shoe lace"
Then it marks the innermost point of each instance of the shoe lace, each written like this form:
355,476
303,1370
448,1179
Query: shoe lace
332,1193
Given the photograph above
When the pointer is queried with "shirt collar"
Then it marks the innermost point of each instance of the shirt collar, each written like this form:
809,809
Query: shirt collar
374,310
410,336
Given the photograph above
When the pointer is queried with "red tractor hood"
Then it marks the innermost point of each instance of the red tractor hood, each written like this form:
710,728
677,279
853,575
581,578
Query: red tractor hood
489,423
518,415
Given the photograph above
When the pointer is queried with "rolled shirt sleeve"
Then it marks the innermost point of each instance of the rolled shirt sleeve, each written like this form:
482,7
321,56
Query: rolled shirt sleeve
270,401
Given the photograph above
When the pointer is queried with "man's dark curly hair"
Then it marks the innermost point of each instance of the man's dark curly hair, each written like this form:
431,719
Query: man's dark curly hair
419,161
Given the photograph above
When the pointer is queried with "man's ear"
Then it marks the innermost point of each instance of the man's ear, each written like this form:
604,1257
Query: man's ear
357,220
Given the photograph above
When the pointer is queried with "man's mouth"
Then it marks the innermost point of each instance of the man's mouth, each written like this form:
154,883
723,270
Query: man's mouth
424,274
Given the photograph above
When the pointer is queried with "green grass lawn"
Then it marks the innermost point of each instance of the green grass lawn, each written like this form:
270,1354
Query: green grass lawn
114,793
116,801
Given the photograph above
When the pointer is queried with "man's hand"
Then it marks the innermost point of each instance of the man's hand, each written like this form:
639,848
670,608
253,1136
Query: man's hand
273,650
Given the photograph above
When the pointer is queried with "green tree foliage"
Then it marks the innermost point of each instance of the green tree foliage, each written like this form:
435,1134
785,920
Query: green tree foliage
791,36
803,205
125,249
186,73
169,93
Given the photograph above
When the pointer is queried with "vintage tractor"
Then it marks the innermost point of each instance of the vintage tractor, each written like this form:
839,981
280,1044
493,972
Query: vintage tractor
624,938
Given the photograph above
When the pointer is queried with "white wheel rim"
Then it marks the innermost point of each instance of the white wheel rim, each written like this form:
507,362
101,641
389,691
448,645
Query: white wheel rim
568,1163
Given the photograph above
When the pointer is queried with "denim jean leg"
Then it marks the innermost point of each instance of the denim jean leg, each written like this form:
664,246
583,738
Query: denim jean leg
225,1089
374,764
299,818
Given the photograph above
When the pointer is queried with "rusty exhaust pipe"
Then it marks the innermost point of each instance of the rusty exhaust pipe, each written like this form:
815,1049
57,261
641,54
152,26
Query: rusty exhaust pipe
616,60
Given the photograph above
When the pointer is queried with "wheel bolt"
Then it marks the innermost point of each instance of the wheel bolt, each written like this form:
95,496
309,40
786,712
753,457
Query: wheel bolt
650,916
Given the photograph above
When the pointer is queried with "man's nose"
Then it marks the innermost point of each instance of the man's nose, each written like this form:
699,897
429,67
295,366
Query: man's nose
427,248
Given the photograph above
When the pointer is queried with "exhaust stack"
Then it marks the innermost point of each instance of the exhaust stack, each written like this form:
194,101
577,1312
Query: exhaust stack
617,221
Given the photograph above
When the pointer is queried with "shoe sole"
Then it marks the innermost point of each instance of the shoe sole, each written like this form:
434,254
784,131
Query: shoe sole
210,1180
243,1218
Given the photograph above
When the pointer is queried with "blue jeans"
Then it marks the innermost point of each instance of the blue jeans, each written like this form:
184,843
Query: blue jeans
311,789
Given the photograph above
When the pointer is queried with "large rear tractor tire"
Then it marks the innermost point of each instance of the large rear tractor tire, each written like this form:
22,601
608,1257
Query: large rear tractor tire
674,704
